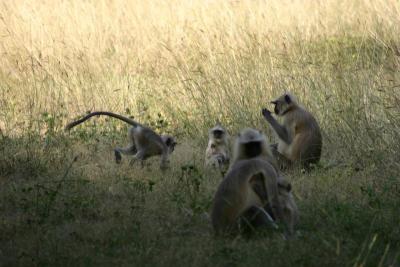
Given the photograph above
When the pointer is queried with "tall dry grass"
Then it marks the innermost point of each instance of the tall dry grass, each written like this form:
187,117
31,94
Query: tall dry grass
194,62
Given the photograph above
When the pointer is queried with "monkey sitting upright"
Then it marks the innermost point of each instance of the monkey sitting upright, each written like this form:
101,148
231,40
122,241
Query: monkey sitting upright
217,152
252,187
241,198
144,142
299,137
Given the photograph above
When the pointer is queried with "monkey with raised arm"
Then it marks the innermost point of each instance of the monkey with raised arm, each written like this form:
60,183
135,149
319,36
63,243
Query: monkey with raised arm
217,152
144,142
299,136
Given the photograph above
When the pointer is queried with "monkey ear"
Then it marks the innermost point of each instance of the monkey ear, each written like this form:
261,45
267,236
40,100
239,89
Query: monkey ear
287,99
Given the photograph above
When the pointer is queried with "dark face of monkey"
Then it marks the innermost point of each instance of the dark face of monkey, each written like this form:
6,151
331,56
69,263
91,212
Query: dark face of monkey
276,108
282,104
252,149
218,134
170,142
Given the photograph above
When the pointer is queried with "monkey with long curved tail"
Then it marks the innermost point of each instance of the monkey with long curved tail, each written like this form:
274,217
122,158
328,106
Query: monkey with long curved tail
144,142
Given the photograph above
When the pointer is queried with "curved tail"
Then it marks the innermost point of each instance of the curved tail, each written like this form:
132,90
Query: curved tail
97,113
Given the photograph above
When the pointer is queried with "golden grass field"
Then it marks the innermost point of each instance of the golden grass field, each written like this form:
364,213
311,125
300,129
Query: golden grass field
179,66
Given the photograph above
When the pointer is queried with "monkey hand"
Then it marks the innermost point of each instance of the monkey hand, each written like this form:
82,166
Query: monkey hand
267,114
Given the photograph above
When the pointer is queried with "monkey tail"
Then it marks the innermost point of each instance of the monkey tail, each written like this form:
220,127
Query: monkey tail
97,113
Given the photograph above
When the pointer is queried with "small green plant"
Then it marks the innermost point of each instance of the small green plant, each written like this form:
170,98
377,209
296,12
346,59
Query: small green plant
188,193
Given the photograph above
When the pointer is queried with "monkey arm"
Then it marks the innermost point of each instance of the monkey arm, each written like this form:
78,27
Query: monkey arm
280,130
164,158
282,161
256,217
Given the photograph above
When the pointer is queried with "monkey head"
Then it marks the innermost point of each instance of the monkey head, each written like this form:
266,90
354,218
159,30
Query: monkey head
284,103
169,142
250,143
217,133
289,207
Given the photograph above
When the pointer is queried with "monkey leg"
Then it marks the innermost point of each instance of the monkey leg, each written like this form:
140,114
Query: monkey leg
130,150
222,160
255,218
140,155
223,164
217,161
274,146
257,184
164,160
283,162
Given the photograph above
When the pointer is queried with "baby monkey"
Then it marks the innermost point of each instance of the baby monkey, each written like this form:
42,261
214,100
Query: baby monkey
144,142
217,152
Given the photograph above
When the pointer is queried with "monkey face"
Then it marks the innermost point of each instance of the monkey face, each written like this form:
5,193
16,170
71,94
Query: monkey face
276,108
284,186
251,143
170,142
290,210
252,149
218,134
282,104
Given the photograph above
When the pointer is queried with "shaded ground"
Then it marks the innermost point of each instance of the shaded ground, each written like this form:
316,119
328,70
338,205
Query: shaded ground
57,211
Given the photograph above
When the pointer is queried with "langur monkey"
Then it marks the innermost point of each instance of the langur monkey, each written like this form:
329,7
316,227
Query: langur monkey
217,152
299,137
253,182
251,143
290,210
144,142
236,198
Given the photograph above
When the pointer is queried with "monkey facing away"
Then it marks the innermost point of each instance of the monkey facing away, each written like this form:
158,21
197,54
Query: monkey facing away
217,152
236,200
144,142
299,137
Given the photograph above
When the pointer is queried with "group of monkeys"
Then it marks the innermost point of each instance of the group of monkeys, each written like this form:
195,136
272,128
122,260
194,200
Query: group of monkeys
253,193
